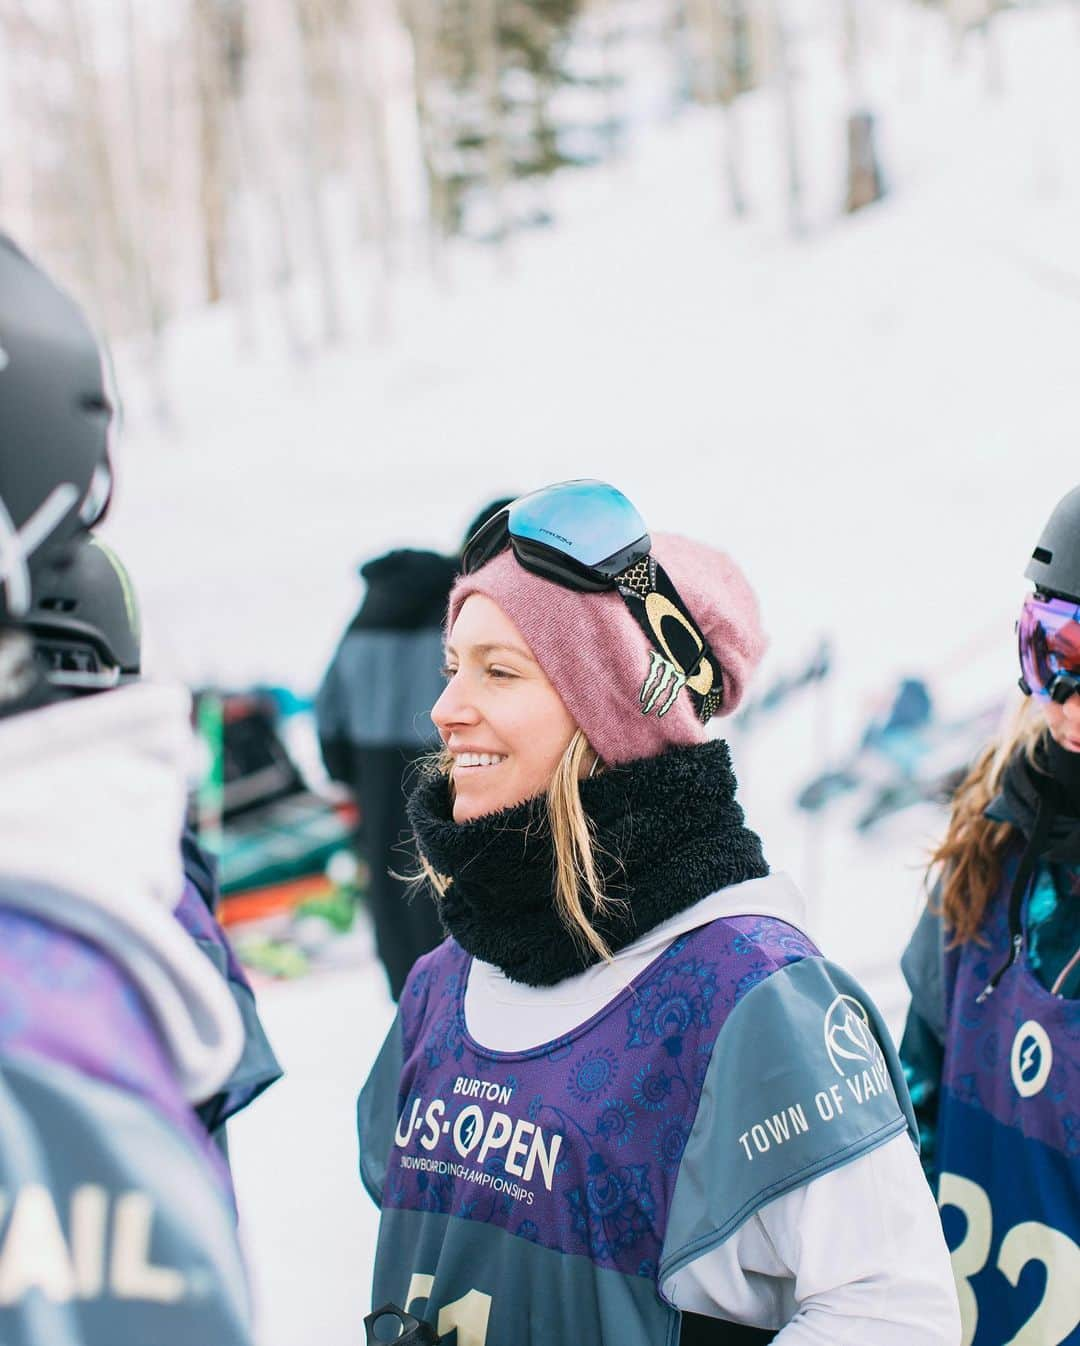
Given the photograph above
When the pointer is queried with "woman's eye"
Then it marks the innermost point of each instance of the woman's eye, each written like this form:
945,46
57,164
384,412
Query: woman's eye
447,671
500,673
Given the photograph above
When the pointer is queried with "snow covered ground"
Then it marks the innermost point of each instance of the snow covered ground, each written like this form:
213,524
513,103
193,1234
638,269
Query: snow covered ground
874,419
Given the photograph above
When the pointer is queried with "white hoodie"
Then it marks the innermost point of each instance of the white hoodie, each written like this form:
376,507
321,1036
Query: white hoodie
855,1257
91,811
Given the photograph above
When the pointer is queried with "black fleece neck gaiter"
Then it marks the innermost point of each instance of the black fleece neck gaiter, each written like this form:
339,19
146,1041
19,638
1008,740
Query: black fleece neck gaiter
667,832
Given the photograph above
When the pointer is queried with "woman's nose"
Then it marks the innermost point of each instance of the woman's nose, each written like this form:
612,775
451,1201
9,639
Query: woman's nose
453,708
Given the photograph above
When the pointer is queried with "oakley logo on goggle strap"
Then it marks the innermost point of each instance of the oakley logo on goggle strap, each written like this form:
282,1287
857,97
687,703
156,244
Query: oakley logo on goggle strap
659,612
17,545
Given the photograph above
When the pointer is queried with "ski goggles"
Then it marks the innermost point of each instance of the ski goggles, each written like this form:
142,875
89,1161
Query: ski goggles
1048,633
588,537
76,665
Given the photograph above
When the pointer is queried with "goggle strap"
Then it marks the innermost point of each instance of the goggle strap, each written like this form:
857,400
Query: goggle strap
489,539
637,585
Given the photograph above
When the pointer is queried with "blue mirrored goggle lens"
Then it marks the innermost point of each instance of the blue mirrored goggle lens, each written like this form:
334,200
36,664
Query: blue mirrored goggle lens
586,520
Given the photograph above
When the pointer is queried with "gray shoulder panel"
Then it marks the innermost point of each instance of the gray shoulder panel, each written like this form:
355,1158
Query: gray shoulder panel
377,1112
923,964
803,1078
112,1228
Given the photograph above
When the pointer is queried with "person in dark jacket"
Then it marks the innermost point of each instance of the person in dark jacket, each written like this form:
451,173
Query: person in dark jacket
374,727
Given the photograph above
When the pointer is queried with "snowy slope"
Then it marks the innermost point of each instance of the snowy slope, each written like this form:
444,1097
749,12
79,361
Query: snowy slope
874,419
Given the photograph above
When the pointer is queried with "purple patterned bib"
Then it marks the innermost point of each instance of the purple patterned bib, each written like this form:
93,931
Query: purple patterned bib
573,1145
1009,1147
63,1000
534,1189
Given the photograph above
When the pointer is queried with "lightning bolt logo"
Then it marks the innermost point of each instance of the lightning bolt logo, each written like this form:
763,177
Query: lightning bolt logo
1031,1059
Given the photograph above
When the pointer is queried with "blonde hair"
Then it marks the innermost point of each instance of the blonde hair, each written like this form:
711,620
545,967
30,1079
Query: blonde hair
967,864
578,888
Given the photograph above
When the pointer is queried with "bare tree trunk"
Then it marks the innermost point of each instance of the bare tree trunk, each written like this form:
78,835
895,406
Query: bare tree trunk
679,41
21,32
789,118
367,127
240,169
724,42
258,181
113,273
608,39
366,122
957,28
865,183
484,15
419,16
310,54
995,67
545,137
213,194
19,198
144,250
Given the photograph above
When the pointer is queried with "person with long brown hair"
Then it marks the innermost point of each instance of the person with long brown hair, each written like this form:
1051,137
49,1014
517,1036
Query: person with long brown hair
991,1050
626,1102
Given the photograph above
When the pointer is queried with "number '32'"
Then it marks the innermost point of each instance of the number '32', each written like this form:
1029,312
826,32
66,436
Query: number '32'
1058,1312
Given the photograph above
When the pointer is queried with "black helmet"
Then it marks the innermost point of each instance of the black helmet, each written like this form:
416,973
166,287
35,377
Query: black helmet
1055,562
84,616
54,424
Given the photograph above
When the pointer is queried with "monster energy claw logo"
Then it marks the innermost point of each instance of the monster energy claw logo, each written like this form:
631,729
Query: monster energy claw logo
663,676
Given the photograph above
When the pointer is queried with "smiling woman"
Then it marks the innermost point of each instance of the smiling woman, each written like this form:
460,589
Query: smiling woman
507,701
634,985
500,719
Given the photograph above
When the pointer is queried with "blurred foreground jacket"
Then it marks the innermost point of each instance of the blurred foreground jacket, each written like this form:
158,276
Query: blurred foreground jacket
373,713
257,1067
117,1220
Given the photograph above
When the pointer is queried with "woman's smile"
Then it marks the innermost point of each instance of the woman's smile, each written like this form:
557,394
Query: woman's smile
477,761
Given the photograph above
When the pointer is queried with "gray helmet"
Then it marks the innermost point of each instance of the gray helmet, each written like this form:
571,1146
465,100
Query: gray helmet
1055,563
54,425
84,617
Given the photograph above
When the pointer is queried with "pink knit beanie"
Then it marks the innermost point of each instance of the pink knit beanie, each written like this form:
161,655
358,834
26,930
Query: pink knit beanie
598,658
